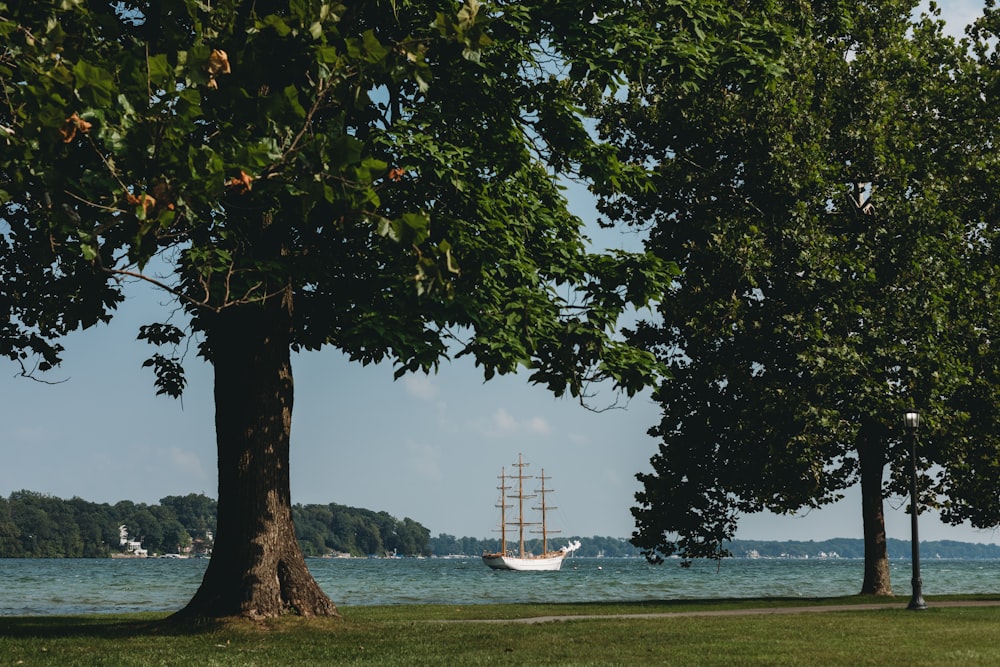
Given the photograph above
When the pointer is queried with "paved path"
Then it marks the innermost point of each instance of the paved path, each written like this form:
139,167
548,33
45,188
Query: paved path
762,611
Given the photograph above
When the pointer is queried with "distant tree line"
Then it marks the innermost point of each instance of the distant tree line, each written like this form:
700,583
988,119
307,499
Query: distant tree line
855,548
328,529
35,525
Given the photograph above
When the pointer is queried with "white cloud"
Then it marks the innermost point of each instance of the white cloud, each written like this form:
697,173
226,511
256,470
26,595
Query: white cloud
419,386
538,425
504,423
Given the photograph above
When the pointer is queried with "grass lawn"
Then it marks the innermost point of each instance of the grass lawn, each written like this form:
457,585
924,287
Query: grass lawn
429,635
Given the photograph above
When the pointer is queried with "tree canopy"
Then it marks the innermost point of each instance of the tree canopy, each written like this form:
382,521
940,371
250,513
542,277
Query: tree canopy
132,135
837,268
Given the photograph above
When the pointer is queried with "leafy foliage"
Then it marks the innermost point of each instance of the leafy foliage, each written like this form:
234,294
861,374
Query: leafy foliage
395,173
837,266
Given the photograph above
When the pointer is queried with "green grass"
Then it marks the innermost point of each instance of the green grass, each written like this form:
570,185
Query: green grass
428,635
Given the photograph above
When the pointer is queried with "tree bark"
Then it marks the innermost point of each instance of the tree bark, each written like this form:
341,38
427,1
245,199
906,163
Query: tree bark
257,569
871,457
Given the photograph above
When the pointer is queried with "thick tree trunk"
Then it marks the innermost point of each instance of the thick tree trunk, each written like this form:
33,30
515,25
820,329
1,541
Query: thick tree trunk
871,456
257,568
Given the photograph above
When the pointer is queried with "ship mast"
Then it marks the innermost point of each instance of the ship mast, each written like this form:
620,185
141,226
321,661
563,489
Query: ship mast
521,497
544,508
503,511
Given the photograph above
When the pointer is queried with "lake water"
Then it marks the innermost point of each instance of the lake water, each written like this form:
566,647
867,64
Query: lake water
71,586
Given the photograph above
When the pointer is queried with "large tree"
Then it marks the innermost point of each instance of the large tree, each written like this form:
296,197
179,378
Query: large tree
378,176
836,270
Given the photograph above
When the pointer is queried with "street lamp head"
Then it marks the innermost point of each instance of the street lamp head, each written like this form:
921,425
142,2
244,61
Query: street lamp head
911,419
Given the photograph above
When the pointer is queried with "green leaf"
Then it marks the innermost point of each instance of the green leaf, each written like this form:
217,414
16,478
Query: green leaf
374,49
419,226
291,94
328,54
159,69
278,24
345,150
94,85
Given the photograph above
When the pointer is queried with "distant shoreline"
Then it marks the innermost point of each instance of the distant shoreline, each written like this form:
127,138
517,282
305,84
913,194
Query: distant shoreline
855,548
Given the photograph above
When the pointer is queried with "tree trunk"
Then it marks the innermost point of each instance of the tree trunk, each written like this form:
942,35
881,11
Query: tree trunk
871,456
257,568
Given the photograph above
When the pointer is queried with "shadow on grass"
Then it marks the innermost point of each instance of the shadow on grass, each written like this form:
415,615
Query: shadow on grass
122,626
103,627
149,624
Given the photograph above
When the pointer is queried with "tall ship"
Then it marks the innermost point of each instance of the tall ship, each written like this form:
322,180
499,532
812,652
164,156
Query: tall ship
522,560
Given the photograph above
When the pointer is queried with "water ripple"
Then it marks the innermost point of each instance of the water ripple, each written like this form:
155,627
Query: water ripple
81,586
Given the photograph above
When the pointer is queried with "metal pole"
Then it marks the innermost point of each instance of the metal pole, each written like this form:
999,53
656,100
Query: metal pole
917,601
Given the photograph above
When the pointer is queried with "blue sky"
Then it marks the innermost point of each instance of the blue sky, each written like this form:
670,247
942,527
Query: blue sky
424,447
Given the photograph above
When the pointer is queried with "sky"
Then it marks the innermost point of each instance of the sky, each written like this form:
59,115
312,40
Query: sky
424,447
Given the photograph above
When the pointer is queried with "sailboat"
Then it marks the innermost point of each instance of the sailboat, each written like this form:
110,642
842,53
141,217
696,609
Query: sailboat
505,559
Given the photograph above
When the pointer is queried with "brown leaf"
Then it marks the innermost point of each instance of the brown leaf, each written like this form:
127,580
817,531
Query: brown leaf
146,201
72,124
218,63
242,184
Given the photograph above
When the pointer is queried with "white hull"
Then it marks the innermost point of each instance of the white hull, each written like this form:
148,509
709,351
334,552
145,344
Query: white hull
539,564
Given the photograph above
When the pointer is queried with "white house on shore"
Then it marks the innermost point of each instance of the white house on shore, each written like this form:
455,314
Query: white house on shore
131,547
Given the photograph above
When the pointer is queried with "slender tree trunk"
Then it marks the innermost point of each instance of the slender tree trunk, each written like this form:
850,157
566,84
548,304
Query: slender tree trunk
871,456
257,568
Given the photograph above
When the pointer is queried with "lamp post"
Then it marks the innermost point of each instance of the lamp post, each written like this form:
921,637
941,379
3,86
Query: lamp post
911,420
